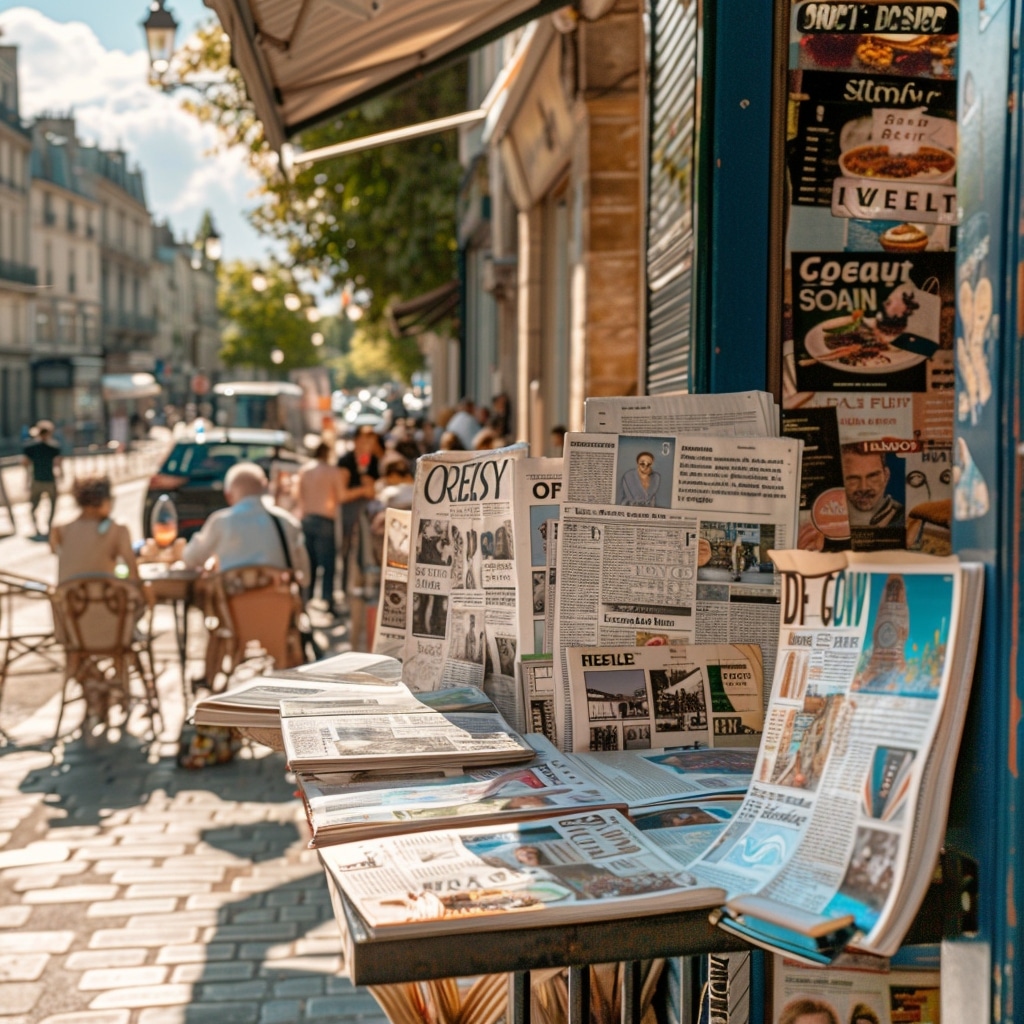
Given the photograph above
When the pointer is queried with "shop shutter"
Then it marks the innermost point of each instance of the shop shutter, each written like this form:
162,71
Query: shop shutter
673,106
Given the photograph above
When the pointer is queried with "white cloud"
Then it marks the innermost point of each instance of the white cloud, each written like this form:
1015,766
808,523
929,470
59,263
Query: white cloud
65,67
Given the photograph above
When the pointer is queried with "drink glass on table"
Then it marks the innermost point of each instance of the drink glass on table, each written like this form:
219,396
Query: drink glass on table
163,522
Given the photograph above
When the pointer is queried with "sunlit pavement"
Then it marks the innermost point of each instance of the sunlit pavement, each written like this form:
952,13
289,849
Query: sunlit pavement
135,891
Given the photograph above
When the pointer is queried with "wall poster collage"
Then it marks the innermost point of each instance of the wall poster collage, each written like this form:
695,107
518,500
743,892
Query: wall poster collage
869,368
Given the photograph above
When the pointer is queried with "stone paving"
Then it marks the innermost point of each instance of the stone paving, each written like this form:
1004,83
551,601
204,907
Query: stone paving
136,892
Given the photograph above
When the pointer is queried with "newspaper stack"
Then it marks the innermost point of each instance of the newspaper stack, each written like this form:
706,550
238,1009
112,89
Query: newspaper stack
670,506
664,786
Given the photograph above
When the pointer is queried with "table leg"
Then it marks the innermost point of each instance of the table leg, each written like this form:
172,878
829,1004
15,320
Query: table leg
519,997
181,635
631,987
579,995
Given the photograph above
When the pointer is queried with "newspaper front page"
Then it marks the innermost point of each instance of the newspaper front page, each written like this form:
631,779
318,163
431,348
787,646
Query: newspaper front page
863,674
392,609
666,695
462,617
665,540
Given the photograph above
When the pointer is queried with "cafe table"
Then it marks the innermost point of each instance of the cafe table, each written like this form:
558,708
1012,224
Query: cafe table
174,584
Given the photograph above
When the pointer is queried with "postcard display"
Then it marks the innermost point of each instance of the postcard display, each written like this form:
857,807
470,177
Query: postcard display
869,367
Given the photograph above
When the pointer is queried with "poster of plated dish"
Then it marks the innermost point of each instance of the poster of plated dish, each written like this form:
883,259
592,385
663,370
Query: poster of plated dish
871,289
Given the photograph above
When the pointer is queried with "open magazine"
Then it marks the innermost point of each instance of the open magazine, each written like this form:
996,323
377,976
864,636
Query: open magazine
588,865
665,695
840,831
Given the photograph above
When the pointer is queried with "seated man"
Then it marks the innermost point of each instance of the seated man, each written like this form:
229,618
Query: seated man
248,532
244,533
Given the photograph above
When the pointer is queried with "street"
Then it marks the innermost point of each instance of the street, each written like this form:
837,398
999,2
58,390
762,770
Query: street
136,892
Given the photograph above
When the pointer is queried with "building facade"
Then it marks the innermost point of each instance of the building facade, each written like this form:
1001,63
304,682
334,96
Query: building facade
17,276
67,358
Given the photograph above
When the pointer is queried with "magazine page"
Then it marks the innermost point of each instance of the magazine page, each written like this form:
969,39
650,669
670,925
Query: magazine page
853,996
862,678
351,667
341,808
392,609
462,614
686,830
739,414
368,741
537,501
537,681
665,695
551,592
654,777
586,866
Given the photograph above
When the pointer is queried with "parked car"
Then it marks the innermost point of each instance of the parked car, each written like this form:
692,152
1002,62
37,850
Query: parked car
193,473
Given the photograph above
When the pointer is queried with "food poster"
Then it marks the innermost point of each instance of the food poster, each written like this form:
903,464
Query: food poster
871,234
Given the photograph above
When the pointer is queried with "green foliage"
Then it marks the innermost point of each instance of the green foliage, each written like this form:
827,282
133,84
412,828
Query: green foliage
384,219
376,357
259,321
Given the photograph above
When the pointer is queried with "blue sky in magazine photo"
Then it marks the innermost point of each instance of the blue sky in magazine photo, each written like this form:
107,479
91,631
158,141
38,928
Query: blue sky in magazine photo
90,58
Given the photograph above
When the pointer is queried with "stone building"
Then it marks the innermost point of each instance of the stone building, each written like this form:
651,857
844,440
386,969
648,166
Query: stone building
67,359
17,276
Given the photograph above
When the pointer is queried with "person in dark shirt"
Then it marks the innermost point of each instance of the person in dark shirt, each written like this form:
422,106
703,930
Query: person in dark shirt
41,459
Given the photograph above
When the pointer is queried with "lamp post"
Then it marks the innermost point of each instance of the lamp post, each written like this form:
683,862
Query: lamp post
160,28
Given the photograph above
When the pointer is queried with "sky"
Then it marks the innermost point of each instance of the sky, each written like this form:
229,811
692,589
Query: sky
89,56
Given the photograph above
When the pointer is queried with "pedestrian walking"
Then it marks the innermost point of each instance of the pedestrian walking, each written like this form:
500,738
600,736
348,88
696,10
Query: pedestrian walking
319,491
41,458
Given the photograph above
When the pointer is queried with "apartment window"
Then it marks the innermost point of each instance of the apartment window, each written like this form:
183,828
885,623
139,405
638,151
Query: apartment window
44,324
48,264
103,225
72,283
88,266
49,217
72,221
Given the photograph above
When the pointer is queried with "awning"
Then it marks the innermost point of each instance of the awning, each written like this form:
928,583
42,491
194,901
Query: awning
304,60
418,314
129,385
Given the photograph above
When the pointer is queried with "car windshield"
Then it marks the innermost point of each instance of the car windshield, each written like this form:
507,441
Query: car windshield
212,461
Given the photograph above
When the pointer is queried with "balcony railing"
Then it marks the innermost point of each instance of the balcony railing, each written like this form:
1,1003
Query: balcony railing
124,321
18,272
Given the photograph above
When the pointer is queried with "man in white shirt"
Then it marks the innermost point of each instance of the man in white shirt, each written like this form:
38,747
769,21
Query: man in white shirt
463,424
245,532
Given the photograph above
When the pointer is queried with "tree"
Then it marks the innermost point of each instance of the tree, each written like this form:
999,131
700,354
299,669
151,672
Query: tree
259,321
376,357
383,219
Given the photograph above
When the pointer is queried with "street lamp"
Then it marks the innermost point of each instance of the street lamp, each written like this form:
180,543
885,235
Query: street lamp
160,28
212,245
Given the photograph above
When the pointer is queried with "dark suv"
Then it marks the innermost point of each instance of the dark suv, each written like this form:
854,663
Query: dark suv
193,473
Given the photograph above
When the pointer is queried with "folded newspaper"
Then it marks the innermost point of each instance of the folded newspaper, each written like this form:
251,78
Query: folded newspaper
344,806
838,837
319,738
367,679
589,865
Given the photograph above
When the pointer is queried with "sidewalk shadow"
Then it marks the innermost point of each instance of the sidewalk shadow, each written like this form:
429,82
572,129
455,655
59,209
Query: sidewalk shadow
89,784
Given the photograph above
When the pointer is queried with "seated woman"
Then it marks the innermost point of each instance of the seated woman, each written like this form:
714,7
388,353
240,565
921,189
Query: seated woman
92,543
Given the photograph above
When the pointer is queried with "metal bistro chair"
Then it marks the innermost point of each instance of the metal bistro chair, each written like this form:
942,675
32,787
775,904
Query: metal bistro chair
252,614
104,625
26,624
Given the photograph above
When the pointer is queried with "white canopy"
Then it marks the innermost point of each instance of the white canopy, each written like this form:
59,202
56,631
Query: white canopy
303,60
129,385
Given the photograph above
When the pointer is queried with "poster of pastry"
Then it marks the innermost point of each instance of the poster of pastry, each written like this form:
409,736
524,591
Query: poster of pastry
870,258
871,321
916,40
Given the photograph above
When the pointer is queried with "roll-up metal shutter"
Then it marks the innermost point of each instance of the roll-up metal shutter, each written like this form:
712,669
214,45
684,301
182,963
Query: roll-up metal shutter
674,104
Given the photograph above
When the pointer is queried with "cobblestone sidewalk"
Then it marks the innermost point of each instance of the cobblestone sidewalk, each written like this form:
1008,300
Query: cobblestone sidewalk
133,892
